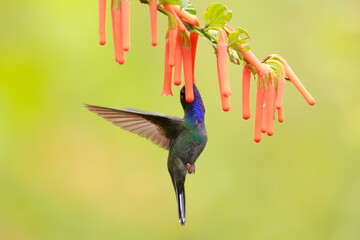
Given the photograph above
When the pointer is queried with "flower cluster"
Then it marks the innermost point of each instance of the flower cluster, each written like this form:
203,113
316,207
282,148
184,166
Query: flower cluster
180,49
269,94
229,44
120,16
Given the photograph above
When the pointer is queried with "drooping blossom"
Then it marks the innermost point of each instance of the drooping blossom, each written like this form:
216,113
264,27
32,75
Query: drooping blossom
125,24
167,70
102,21
180,25
260,96
222,67
254,61
246,92
172,33
194,41
178,60
117,31
153,21
188,72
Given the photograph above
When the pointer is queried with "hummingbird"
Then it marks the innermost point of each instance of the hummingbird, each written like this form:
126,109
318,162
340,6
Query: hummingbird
185,138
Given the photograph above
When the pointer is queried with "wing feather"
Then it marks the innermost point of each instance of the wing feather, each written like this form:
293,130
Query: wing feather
158,128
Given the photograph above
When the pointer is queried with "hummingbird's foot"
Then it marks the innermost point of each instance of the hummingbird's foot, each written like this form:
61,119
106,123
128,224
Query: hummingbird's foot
190,168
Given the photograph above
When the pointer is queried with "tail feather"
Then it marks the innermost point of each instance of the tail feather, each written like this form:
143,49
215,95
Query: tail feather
180,197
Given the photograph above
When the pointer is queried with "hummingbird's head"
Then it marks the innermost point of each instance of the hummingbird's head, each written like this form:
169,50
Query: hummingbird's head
196,105
184,103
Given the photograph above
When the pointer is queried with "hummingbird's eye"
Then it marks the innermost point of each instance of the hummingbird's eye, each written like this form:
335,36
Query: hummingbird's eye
182,93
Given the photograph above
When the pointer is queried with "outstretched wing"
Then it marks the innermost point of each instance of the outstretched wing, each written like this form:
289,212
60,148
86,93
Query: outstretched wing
158,128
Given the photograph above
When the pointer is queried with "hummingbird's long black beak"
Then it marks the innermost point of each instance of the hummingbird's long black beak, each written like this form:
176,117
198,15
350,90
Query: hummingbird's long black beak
180,198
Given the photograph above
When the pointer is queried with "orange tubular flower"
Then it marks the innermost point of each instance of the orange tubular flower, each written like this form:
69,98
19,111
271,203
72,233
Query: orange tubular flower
263,117
178,60
167,71
170,9
172,42
153,21
193,40
281,114
102,17
189,81
225,103
172,33
125,22
222,64
189,18
270,95
246,92
295,80
116,25
253,60
274,105
260,96
280,92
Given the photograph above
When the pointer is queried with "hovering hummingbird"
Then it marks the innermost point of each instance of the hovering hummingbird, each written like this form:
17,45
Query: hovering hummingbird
185,138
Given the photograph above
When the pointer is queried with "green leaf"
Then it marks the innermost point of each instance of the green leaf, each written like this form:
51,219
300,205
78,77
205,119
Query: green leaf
216,15
238,38
170,2
187,6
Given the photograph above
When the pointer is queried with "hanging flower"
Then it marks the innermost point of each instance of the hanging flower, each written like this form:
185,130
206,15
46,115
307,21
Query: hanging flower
117,31
153,21
125,24
222,67
167,70
188,72
102,22
178,60
246,92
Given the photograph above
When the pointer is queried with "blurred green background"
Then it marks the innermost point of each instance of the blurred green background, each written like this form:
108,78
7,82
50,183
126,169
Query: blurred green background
67,174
